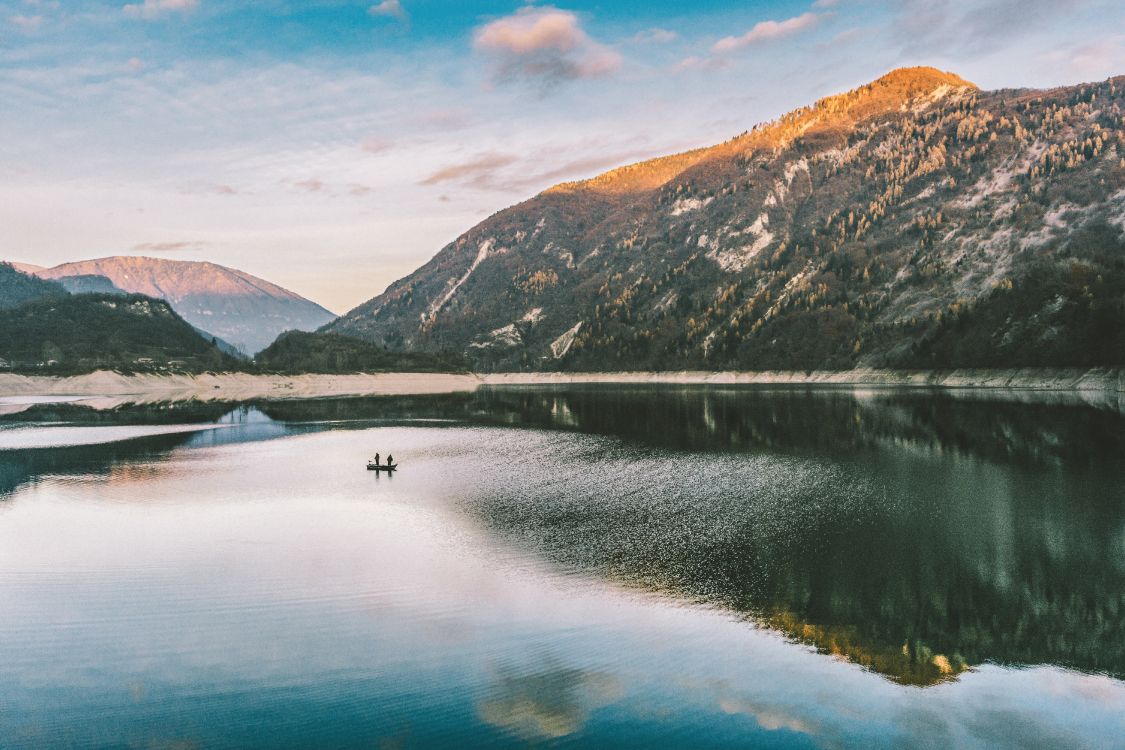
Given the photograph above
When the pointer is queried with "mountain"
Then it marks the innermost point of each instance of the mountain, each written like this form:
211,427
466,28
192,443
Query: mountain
18,288
89,284
916,221
231,305
85,332
26,267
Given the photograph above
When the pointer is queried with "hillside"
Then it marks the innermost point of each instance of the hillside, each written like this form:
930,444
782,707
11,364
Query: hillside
298,352
234,306
18,288
91,331
89,284
916,221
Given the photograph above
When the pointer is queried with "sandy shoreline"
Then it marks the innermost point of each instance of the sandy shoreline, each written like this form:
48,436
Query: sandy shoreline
117,388
107,389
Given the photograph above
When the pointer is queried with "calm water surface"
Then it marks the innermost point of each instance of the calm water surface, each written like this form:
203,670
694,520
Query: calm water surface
588,567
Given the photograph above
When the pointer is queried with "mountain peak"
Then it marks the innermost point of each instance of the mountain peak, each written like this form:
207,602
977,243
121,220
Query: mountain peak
921,78
895,90
245,310
890,92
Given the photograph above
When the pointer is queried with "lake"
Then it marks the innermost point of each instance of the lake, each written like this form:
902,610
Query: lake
571,567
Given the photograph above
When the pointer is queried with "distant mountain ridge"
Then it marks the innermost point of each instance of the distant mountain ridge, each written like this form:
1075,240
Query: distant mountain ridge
44,328
916,221
234,306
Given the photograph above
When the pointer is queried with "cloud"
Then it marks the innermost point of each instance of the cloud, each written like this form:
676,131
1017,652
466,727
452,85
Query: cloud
479,172
169,247
701,63
941,27
655,36
536,170
150,9
546,45
766,31
444,120
375,145
26,24
1092,60
310,186
389,9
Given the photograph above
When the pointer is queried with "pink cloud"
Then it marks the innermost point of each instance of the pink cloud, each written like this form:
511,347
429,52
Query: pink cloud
479,172
766,31
311,186
545,44
375,145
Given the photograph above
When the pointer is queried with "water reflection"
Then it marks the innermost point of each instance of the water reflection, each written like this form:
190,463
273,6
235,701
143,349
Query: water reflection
916,534
551,702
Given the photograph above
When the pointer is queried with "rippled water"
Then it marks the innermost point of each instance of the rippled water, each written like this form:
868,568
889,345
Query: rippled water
588,567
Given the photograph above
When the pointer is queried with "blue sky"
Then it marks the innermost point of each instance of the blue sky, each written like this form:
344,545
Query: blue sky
333,146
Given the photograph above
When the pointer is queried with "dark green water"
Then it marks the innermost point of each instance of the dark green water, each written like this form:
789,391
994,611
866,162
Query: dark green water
586,567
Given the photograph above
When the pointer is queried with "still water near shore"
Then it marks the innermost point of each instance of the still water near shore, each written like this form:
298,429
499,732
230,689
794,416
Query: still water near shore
584,566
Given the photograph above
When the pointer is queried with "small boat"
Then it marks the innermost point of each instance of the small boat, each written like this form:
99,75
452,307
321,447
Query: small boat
372,466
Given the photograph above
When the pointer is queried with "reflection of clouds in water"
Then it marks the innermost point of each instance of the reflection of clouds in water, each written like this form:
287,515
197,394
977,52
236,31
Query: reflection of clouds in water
768,717
548,704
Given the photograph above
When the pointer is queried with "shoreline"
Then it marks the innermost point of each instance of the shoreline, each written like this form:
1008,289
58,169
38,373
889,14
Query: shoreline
150,388
1106,380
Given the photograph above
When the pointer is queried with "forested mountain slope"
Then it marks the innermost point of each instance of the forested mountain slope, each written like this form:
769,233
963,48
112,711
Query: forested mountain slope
914,222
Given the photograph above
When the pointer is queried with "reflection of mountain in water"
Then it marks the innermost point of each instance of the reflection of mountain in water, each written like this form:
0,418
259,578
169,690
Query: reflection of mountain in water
18,468
910,532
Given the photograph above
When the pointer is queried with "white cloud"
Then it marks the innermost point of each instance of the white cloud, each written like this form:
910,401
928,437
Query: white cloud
150,9
26,24
701,63
544,44
389,9
1091,60
766,31
960,29
655,36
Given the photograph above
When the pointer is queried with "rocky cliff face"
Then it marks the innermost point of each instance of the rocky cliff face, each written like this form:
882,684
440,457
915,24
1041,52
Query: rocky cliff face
234,306
915,221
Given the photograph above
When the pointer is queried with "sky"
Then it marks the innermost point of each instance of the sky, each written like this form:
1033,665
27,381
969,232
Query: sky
333,146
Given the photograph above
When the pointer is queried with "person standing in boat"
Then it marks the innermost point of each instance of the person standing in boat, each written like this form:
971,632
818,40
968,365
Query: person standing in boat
376,459
390,460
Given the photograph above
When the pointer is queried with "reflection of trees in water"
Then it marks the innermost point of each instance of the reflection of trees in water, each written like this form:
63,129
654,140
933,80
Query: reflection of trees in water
748,419
911,532
173,412
20,467
914,535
